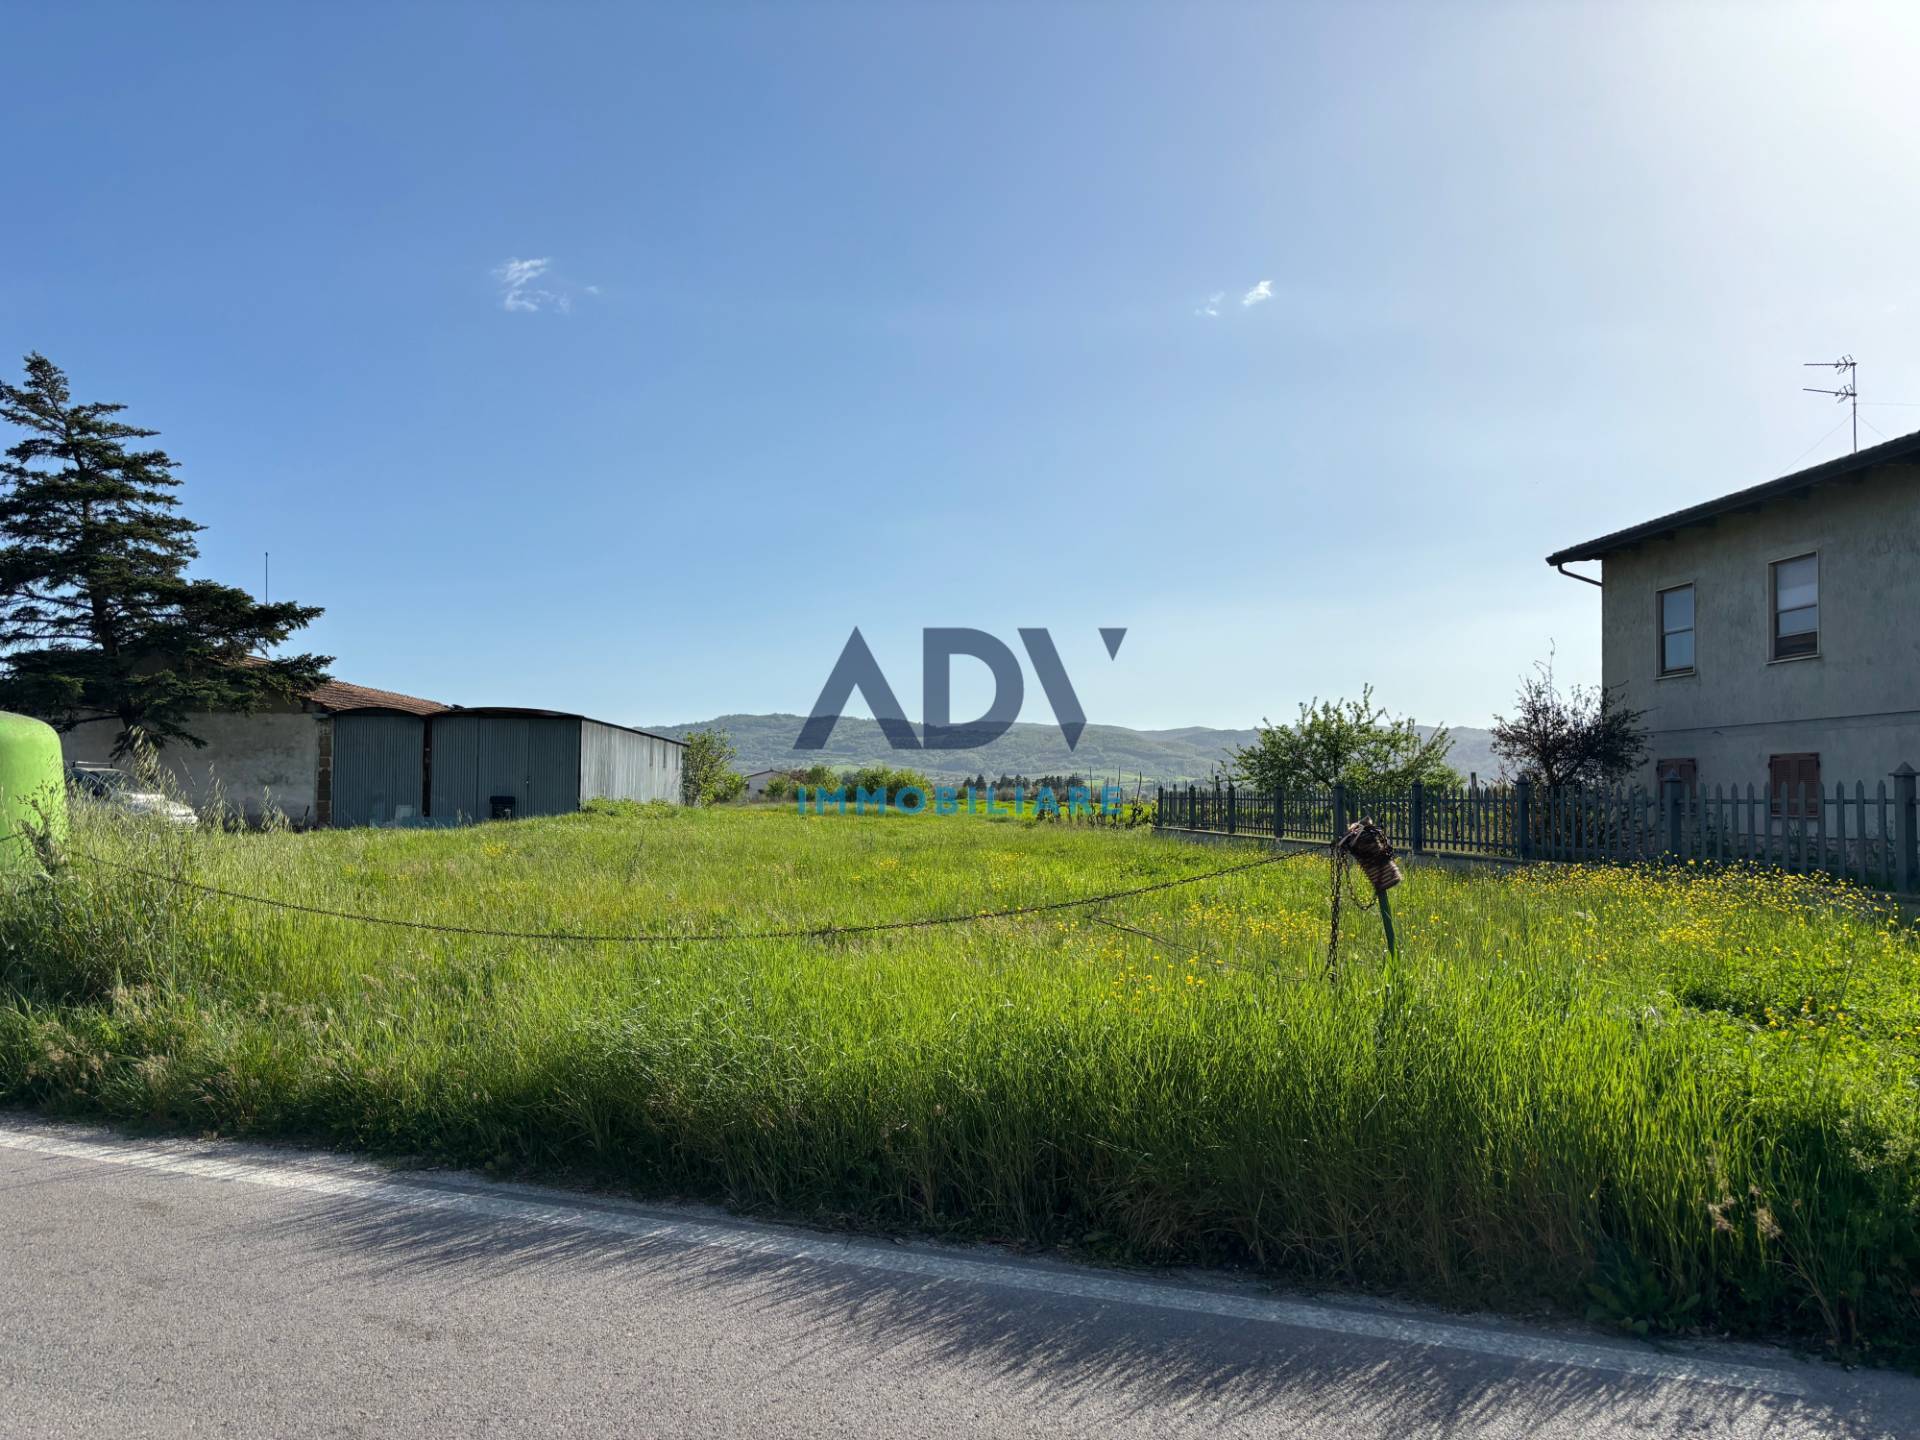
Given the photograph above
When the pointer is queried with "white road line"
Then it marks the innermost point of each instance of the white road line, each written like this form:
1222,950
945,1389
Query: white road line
321,1176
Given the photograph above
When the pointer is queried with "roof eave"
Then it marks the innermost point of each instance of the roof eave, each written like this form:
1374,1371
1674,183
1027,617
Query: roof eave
1847,466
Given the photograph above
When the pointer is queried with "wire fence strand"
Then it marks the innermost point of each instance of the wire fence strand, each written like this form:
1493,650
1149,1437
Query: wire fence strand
666,937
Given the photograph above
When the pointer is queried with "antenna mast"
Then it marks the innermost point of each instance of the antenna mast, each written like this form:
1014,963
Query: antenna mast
1848,391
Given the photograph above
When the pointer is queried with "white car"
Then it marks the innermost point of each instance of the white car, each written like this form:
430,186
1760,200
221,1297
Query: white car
113,787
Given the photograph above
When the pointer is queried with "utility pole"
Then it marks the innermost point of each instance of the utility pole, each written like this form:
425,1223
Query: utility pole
1848,390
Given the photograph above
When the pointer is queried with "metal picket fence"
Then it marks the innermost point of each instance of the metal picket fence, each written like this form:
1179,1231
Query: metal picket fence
1871,837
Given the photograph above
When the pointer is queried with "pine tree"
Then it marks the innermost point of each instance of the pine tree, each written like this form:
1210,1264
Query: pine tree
99,622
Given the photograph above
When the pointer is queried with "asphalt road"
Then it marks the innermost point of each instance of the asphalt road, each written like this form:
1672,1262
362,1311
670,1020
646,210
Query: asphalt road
191,1289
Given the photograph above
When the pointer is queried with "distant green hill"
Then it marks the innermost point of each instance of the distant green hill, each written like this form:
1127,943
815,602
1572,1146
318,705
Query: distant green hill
1192,752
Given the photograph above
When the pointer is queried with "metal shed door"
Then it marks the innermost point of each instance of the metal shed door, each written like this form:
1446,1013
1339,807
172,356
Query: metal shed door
377,772
506,750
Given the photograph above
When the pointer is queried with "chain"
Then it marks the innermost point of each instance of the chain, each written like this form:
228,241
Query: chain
667,937
1341,863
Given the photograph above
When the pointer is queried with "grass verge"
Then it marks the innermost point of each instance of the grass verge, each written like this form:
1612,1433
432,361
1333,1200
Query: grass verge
1673,1100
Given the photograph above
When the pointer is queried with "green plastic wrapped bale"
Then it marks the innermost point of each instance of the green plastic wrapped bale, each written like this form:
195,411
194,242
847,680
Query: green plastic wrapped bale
33,789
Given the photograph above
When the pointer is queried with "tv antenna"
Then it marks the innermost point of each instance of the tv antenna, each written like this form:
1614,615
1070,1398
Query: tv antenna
1848,391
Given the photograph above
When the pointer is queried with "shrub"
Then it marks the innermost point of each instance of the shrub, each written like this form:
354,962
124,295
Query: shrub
707,775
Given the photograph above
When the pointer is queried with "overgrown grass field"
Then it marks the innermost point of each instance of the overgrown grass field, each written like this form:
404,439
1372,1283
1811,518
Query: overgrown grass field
1670,1099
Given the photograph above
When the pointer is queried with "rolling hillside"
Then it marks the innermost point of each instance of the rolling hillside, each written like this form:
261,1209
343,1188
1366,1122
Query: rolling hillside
1192,752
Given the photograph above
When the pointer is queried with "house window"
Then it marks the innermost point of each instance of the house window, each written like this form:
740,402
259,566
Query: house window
1789,777
1796,607
1687,772
1676,630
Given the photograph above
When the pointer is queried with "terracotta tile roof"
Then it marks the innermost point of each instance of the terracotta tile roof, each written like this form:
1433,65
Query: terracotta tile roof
339,695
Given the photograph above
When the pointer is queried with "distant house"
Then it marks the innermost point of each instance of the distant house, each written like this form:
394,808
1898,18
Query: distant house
757,782
1773,635
351,755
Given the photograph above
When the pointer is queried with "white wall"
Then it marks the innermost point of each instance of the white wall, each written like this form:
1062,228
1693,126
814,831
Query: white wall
270,758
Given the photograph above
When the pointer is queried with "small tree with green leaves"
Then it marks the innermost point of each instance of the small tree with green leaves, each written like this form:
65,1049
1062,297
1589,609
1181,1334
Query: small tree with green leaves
99,622
707,775
1350,742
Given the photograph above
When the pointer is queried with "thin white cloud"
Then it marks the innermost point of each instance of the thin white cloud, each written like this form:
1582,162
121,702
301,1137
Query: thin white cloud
529,286
515,273
1210,308
517,290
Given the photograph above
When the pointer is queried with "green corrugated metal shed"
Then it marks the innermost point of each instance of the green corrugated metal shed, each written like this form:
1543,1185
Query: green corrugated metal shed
461,765
377,758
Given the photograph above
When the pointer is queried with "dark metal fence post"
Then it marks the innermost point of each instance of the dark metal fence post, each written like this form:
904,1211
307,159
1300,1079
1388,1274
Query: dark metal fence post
1233,810
1417,820
1279,812
1523,817
1906,820
1672,796
1339,809
1192,809
1159,806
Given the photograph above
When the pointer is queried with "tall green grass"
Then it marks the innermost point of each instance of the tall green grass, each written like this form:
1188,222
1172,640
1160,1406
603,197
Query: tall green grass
1670,1099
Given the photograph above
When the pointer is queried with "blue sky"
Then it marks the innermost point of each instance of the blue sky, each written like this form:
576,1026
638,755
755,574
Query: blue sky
898,316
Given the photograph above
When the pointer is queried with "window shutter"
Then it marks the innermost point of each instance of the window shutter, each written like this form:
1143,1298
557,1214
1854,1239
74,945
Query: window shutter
1688,771
1809,776
1789,773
